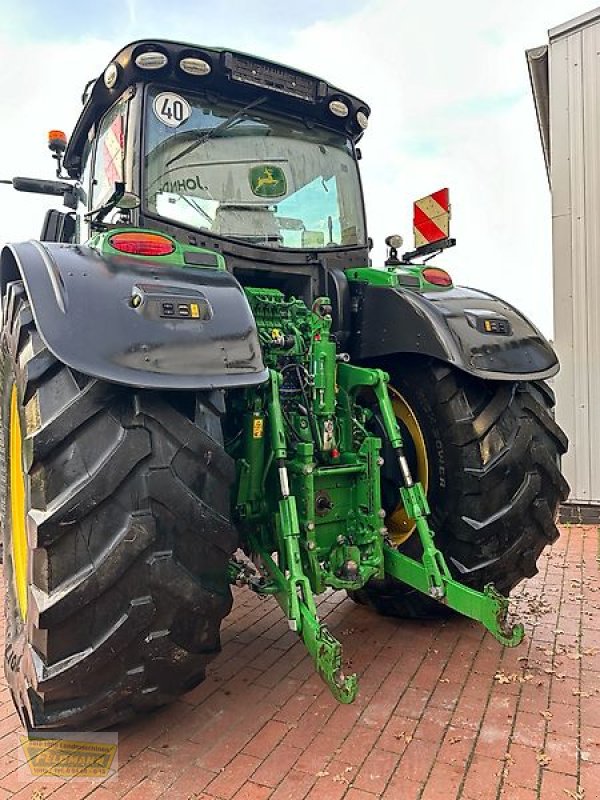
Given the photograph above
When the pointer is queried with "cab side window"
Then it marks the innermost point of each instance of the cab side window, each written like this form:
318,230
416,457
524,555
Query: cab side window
110,152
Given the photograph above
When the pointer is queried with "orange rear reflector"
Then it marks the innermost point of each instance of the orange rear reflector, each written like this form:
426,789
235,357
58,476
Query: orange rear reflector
138,243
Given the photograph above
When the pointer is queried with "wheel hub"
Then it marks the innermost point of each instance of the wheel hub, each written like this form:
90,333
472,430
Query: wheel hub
399,525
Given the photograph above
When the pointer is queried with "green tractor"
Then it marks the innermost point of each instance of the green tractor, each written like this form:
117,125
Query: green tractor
204,382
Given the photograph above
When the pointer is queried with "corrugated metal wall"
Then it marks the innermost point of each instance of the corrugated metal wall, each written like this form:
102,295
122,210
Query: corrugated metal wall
574,63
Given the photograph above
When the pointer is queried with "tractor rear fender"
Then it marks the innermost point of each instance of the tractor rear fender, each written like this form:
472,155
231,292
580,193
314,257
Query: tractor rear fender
472,330
124,319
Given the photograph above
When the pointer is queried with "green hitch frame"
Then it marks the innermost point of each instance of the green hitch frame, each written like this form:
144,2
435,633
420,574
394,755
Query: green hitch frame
431,576
324,649
488,607
290,585
293,591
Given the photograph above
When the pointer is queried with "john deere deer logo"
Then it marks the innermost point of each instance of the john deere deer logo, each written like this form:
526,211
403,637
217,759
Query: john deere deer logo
268,180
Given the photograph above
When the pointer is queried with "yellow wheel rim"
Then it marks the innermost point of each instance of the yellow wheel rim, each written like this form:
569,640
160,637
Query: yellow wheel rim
17,506
399,525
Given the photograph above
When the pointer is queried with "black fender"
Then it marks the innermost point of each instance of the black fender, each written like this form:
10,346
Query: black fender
450,326
105,317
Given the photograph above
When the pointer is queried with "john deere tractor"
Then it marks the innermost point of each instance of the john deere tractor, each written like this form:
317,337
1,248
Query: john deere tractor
205,381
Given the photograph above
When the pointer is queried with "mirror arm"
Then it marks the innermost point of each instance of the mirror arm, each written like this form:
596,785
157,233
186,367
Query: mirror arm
41,186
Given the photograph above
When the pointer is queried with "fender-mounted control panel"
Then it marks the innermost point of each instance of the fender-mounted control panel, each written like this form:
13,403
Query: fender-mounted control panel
486,321
170,302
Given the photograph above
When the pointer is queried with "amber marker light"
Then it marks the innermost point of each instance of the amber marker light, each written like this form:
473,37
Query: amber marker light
137,243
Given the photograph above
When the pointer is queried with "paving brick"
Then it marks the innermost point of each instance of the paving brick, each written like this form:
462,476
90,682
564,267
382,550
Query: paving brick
358,794
399,788
189,783
294,786
320,751
42,788
529,730
590,744
522,766
510,792
564,690
457,746
8,763
556,786
413,702
16,780
104,793
496,728
332,784
443,781
590,711
564,719
234,740
468,713
145,790
296,706
276,766
267,738
416,761
227,783
397,734
446,695
483,778
590,778
432,725
314,720
252,791
358,743
376,771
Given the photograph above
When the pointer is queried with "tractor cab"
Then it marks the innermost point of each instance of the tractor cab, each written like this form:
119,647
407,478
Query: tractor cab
223,150
248,175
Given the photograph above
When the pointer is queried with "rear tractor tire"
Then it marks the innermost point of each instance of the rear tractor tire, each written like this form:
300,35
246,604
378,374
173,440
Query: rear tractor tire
117,538
488,454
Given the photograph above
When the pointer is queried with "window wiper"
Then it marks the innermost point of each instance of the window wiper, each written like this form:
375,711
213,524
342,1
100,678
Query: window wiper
197,208
205,136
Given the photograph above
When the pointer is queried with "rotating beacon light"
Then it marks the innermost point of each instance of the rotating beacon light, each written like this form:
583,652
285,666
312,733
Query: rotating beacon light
57,143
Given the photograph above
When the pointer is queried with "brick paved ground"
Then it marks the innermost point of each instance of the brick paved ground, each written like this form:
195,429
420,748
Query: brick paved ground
443,711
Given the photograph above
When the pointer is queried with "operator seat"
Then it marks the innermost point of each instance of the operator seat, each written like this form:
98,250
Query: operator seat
250,222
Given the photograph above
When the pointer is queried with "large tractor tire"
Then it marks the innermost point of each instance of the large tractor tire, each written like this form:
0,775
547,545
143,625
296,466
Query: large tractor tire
117,538
488,454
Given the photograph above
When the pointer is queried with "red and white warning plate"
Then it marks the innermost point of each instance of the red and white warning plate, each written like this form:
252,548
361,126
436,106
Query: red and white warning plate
431,218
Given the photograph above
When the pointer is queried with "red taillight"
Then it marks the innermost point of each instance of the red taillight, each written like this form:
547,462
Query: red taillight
437,276
142,244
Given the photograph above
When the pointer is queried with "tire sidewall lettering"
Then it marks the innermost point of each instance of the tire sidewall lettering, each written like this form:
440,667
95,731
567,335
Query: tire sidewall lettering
436,451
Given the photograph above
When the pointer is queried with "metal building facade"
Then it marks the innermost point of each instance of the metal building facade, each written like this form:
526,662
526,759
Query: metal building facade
565,78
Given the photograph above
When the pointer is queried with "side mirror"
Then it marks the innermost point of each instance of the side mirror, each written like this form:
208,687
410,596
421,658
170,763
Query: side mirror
41,186
58,227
